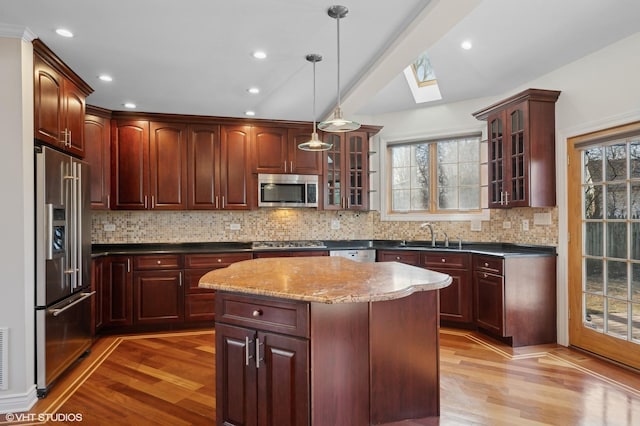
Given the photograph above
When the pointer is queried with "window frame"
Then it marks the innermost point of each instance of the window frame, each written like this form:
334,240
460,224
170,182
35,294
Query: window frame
386,214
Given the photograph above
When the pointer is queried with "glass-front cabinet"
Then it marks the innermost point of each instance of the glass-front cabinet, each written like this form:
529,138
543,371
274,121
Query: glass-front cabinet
347,171
521,137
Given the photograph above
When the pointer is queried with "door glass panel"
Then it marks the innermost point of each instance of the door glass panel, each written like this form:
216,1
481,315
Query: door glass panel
611,238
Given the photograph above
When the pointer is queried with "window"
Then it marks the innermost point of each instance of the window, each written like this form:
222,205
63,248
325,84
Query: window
436,176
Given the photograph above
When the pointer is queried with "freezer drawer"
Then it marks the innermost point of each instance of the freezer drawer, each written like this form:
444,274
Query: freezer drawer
63,334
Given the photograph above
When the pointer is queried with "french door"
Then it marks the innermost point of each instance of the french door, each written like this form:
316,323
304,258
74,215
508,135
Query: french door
604,243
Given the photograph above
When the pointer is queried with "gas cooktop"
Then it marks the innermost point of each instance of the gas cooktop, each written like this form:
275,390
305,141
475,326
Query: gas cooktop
287,244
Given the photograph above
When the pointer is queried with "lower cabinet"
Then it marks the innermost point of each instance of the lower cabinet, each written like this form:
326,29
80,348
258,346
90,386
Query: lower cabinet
117,292
455,300
158,289
263,379
515,298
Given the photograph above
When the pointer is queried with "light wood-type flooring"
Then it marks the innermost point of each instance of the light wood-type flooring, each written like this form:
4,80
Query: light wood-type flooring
169,379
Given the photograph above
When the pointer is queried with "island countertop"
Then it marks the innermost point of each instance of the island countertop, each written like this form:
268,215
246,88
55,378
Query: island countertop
324,279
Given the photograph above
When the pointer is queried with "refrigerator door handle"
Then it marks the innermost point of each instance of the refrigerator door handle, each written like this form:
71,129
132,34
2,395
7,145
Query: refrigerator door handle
56,312
48,231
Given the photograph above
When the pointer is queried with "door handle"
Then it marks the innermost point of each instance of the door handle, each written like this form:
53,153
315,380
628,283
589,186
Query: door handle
56,312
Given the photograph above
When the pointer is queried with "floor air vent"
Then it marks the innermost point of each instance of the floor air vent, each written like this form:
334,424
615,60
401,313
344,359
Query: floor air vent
4,350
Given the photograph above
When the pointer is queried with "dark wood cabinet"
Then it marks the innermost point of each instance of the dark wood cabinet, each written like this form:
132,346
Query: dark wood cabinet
346,171
275,150
149,165
456,302
515,298
262,376
97,136
117,291
219,174
199,303
402,256
59,102
158,289
521,138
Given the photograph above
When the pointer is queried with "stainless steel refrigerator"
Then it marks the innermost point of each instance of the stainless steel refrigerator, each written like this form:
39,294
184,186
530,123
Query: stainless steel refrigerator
62,262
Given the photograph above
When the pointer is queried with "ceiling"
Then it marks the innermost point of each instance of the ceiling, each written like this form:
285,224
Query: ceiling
194,57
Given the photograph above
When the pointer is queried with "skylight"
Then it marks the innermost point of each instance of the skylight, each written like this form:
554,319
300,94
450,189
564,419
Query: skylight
422,80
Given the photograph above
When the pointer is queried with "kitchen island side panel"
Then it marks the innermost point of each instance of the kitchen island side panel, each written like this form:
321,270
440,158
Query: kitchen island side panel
340,364
404,355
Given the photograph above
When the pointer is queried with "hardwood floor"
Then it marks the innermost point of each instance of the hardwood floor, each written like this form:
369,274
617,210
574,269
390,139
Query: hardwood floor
168,379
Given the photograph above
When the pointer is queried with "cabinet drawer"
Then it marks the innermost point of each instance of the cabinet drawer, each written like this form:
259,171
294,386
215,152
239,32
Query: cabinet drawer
408,257
160,261
445,260
490,264
213,260
192,279
266,314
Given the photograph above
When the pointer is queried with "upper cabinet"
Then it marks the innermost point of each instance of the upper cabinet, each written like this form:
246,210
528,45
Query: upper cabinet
346,176
97,137
148,165
521,138
59,102
219,170
276,151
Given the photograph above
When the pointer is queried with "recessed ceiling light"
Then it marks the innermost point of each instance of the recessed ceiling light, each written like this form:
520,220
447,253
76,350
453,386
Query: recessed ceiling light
64,32
259,54
129,105
105,77
253,90
250,113
466,45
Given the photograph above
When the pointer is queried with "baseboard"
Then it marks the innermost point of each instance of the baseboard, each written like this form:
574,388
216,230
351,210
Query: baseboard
18,403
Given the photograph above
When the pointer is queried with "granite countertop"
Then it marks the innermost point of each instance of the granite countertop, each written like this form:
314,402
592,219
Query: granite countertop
324,279
494,249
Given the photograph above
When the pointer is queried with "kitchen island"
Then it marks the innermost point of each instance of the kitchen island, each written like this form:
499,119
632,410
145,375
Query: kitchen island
325,341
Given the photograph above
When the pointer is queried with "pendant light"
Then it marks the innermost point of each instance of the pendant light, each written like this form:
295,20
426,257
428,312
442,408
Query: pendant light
315,144
337,123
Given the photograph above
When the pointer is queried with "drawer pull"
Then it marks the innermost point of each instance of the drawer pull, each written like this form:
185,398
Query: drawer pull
219,260
158,262
443,260
257,312
486,265
397,257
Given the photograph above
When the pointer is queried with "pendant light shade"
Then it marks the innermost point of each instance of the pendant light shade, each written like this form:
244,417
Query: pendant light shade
338,123
315,144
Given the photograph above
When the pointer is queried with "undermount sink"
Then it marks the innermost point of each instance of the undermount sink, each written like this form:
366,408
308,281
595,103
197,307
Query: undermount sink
426,244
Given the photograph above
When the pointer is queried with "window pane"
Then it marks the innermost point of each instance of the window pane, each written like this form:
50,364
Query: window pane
616,161
448,175
469,198
617,316
593,239
448,198
447,152
594,311
593,276
400,156
593,202
634,210
419,199
617,240
593,165
400,178
635,332
635,283
400,200
617,201
635,241
468,151
634,160
617,279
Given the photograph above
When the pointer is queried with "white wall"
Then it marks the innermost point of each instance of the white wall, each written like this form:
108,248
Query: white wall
599,91
17,245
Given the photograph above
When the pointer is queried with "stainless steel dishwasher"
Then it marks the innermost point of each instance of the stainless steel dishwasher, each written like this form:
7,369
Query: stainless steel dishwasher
359,255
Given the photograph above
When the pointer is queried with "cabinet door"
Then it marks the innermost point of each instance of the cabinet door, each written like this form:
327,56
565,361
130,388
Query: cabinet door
455,300
496,127
237,187
270,149
333,173
517,158
97,284
203,166
357,171
117,296
236,376
48,91
489,302
283,380
303,162
168,166
73,118
158,297
130,165
97,134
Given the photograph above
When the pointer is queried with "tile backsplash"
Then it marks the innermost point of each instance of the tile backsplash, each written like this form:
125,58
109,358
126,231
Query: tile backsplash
302,224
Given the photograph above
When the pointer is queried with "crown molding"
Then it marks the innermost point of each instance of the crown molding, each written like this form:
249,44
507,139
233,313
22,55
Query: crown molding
17,31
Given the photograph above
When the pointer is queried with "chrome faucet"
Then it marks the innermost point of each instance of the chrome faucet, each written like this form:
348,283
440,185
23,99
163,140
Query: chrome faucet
433,234
446,239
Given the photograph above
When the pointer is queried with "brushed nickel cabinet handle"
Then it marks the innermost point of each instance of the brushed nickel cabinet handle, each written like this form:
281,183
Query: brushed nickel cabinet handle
256,313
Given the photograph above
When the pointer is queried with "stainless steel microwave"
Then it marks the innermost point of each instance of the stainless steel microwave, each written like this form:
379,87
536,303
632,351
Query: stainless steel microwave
282,190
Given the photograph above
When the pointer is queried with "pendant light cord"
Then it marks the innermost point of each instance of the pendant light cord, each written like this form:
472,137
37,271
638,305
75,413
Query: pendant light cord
314,96
338,41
